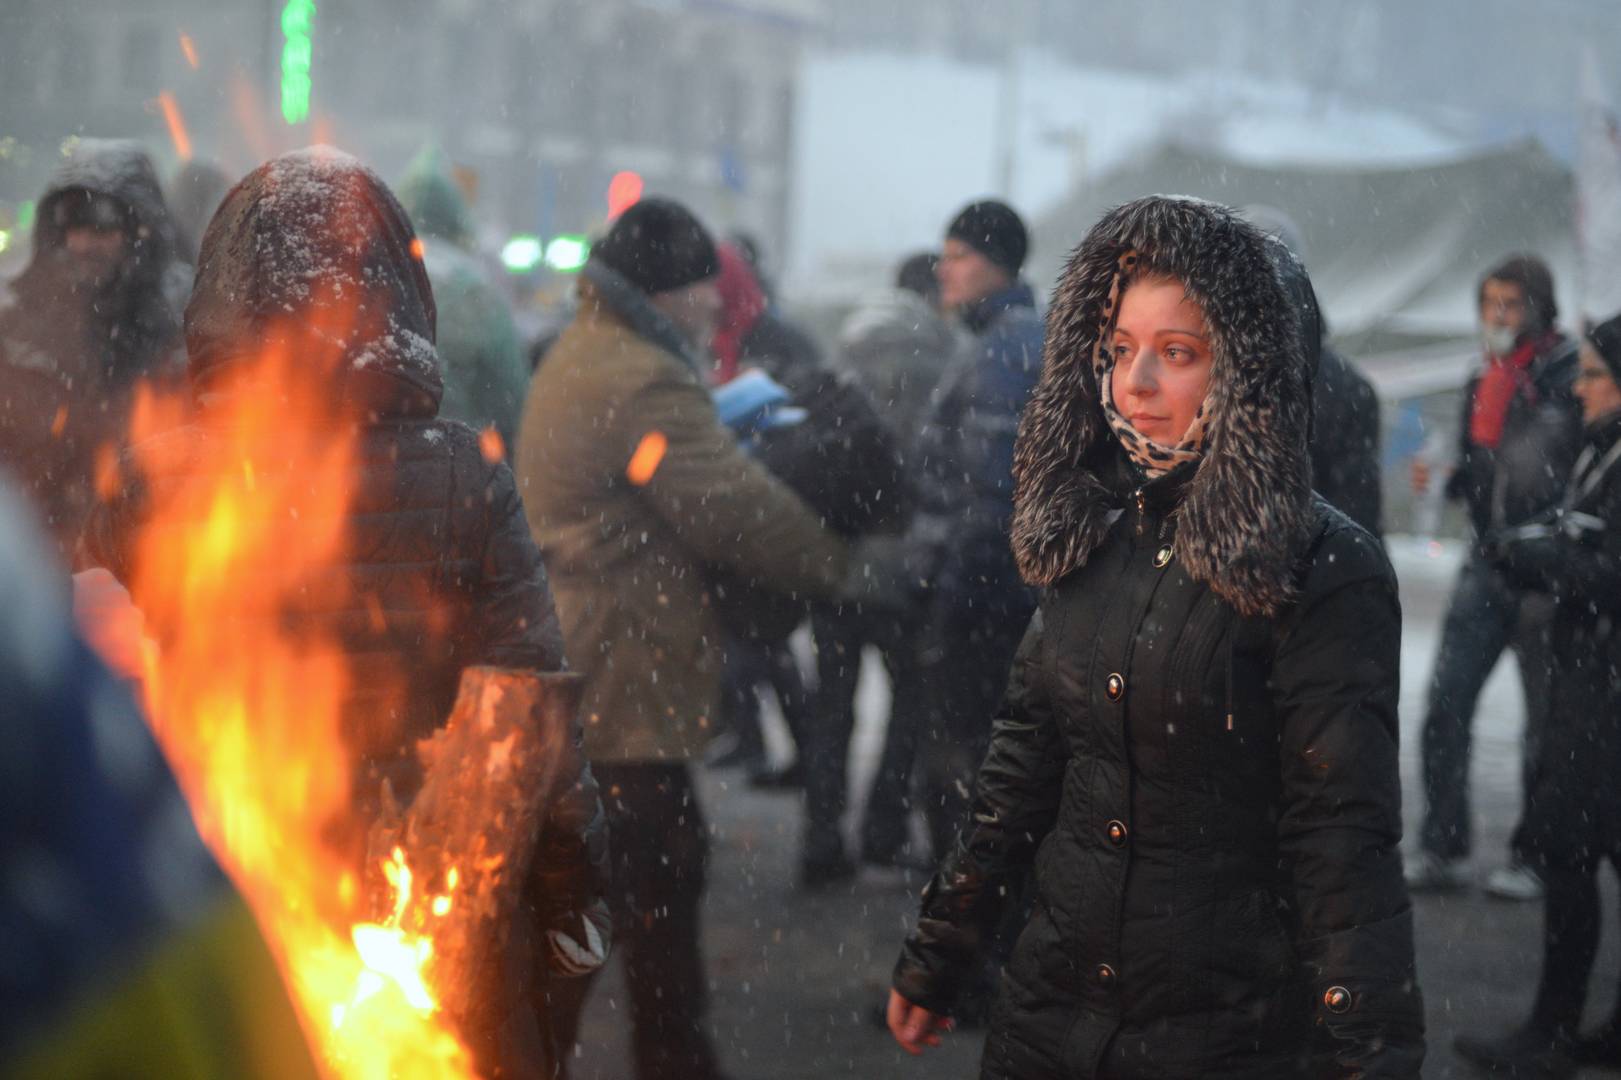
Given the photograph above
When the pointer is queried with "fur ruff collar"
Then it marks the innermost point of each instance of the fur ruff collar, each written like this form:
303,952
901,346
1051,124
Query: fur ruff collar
1245,515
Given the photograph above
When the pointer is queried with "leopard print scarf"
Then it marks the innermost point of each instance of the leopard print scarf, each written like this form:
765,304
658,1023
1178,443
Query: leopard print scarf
1154,459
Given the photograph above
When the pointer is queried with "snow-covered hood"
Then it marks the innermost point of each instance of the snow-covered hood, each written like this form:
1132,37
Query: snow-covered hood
312,253
118,169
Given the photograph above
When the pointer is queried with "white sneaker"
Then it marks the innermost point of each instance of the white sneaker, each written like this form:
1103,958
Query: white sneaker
1427,872
1514,881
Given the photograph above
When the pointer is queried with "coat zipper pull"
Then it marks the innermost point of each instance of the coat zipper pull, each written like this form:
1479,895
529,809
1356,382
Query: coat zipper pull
1142,510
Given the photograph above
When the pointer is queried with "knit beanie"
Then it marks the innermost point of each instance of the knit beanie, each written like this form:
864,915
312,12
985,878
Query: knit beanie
1606,341
657,245
994,230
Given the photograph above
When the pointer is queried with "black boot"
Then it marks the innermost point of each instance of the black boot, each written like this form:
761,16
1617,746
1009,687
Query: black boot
1528,1053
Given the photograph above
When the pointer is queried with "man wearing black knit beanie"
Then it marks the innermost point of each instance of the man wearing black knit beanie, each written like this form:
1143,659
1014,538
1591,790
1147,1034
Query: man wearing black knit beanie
633,489
985,248
979,607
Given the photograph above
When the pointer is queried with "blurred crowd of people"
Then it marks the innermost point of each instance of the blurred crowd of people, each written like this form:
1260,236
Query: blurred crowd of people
1120,559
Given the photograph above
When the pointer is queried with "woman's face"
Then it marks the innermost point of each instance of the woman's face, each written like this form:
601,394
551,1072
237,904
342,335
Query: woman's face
1162,359
1596,386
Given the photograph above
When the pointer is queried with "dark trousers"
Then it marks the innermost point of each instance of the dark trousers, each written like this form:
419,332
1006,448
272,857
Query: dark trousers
1569,943
660,850
750,665
1484,617
841,634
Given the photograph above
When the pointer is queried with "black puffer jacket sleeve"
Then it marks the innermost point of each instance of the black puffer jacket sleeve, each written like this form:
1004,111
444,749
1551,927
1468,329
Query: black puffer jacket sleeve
512,620
1584,566
1574,554
1016,798
1335,678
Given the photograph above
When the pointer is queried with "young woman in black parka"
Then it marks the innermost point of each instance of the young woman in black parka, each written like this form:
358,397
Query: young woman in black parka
1572,819
1196,754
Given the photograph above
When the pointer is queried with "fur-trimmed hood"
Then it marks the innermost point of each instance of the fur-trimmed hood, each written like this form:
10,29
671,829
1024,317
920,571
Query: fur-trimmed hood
1245,514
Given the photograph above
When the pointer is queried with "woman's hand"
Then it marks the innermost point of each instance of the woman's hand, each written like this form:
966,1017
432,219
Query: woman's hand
913,1026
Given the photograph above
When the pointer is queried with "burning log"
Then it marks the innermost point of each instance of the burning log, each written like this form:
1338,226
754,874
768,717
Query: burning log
471,833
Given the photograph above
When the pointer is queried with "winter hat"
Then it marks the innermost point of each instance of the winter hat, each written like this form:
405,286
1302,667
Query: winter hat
993,229
1606,341
657,245
1533,276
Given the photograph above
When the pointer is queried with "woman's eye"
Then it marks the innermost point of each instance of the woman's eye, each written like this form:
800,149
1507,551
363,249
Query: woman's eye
1121,352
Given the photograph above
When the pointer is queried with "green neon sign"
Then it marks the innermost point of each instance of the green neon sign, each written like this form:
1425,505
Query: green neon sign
522,253
566,254
297,19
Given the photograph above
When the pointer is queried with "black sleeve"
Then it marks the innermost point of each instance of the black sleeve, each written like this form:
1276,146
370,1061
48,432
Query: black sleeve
513,621
1457,481
1364,499
1015,804
1584,567
1335,681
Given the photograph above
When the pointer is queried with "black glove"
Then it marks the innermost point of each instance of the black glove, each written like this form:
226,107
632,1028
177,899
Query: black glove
569,882
891,572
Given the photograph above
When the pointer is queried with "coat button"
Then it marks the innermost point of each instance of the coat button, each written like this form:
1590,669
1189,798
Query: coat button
1117,833
1162,557
1115,686
1106,976
1337,999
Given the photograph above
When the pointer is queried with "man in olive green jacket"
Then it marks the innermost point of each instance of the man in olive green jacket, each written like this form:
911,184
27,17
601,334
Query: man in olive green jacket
633,488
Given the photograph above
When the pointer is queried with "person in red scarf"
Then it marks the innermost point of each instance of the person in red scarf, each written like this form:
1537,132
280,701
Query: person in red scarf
1517,439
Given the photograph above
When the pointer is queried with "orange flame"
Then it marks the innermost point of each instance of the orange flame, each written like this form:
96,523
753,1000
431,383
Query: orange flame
189,48
247,703
176,123
491,445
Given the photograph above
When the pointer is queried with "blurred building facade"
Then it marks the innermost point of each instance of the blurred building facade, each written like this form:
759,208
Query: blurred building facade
542,101
1490,68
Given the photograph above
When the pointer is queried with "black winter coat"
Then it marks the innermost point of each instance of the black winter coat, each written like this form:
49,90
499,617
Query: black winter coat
1575,555
1345,440
1197,752
843,460
1345,408
1524,476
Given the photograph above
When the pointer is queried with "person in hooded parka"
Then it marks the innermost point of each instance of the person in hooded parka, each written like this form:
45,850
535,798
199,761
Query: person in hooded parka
95,311
312,256
486,372
1196,753
1572,821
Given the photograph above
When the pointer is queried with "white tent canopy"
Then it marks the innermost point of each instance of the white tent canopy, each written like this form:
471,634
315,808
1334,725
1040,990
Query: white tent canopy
1395,252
